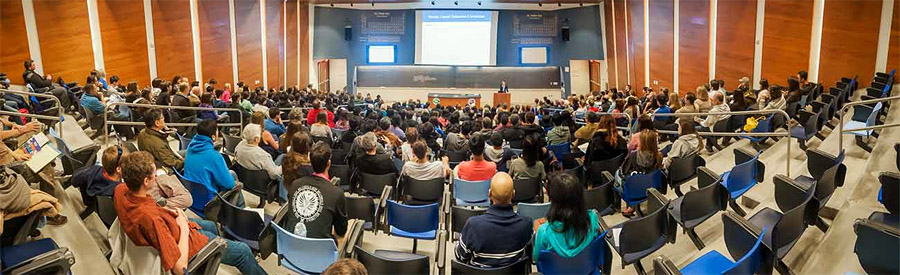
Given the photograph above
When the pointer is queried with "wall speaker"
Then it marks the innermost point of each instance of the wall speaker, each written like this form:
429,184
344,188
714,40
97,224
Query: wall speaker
348,33
565,33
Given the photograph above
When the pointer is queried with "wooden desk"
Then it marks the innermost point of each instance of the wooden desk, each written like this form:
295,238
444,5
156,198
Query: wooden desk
454,99
501,98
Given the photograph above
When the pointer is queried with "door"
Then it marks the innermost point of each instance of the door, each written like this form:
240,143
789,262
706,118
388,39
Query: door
579,77
322,71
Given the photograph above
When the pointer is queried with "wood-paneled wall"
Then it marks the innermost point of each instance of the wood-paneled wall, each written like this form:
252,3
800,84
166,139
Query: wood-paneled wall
610,47
14,50
894,46
249,43
662,49
215,41
693,44
621,35
786,36
174,44
124,40
65,38
290,44
305,45
736,24
274,43
849,41
636,24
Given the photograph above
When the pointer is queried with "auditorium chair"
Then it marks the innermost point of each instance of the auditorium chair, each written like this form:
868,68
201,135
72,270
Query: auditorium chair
231,142
126,257
533,211
242,225
106,210
743,176
362,208
682,170
71,160
527,190
373,185
823,189
304,255
766,125
639,237
392,262
807,127
864,116
877,246
455,157
634,188
522,266
342,172
889,196
417,222
200,194
602,198
817,162
42,256
744,244
471,193
799,210
257,182
596,258
596,168
17,230
832,110
459,216
698,205
419,192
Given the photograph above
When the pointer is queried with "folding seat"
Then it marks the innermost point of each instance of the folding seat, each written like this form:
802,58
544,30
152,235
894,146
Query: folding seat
471,193
417,222
106,210
602,198
634,188
455,157
127,258
799,210
257,182
392,262
242,225
596,258
533,211
877,247
596,168
304,255
889,196
864,116
459,216
698,205
342,172
817,162
419,192
17,230
527,190
682,170
745,174
231,142
639,237
807,129
372,185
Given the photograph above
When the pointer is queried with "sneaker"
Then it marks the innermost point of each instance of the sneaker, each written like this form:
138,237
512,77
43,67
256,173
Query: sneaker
57,220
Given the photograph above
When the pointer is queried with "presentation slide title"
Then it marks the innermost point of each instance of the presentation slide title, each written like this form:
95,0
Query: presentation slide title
456,16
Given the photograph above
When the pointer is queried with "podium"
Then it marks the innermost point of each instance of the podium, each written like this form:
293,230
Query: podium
500,98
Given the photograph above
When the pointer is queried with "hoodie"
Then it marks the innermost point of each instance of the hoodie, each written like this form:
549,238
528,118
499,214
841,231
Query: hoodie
456,142
685,145
93,181
550,237
204,165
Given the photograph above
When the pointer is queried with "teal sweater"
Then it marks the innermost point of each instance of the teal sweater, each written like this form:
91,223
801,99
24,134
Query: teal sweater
550,237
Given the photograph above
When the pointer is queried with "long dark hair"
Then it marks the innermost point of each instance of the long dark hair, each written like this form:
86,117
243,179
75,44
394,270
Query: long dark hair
531,149
567,205
608,124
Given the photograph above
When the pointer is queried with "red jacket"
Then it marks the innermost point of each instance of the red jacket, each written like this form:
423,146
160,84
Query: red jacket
311,117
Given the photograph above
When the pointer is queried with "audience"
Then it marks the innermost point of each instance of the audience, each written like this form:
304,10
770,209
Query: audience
458,142
499,237
643,123
296,162
373,162
153,139
717,113
477,169
585,133
46,82
606,143
560,132
205,165
569,227
687,144
317,208
273,124
250,156
528,165
645,160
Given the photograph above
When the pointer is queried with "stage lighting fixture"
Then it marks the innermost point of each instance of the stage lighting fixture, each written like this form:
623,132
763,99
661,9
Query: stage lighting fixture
456,3
479,3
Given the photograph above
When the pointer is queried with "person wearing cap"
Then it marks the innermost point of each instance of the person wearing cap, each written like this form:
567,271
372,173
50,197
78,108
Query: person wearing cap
250,156
205,165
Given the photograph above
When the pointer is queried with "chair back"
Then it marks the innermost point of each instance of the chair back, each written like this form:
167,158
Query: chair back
459,216
684,168
362,208
240,224
376,264
374,184
526,190
810,121
641,236
18,230
305,255
533,211
130,146
231,142
106,210
341,171
797,204
877,247
522,266
873,117
636,186
326,140
595,259
200,194
255,181
338,156
596,168
818,161
183,141
889,194
602,198
698,205
742,177
741,240
413,218
752,261
456,156
560,150
471,192
826,185
423,191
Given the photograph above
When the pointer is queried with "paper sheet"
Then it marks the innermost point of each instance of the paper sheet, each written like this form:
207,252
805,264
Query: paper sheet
41,152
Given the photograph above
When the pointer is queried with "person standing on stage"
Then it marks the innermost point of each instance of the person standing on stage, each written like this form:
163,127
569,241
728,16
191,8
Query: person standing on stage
503,87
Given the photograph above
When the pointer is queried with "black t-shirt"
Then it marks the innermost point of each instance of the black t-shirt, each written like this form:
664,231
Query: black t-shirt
379,164
315,207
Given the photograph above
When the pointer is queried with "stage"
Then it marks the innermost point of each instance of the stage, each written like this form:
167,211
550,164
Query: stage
517,96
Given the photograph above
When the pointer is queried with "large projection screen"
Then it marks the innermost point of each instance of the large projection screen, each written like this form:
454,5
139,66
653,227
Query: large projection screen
456,37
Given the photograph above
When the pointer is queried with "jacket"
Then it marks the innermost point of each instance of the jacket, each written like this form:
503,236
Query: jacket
685,145
497,238
181,99
558,135
92,180
456,142
156,144
37,81
255,158
205,165
549,236
127,258
716,115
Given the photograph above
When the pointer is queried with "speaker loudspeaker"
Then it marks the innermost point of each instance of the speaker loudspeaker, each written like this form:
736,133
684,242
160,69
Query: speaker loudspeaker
565,33
348,33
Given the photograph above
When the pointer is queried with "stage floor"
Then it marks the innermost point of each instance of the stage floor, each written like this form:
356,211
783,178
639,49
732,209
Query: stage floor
517,96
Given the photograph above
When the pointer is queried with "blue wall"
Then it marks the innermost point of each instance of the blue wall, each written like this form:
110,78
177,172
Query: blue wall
584,24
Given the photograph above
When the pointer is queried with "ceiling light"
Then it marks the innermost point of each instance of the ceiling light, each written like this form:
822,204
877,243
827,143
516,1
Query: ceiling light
432,3
456,3
479,3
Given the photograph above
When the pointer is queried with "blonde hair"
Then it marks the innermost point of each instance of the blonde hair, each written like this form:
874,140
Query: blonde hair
674,102
702,93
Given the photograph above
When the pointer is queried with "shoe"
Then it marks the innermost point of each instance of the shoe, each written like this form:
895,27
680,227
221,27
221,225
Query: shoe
57,220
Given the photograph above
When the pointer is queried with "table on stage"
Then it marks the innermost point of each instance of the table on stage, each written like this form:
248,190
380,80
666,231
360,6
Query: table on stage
454,99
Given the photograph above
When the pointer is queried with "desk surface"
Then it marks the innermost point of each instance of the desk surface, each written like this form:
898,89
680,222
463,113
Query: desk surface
449,95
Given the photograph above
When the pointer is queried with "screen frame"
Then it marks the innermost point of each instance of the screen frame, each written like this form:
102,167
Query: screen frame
546,60
369,58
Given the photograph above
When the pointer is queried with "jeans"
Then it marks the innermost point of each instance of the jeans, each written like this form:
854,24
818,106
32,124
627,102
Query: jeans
237,254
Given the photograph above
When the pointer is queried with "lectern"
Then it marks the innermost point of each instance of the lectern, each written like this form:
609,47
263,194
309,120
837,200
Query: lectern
500,98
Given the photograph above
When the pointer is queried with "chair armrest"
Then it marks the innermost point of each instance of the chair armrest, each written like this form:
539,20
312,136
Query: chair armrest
603,225
705,177
209,256
280,214
354,233
58,260
381,207
789,194
664,266
606,176
441,253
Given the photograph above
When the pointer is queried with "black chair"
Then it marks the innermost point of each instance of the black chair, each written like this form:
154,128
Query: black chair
897,150
596,168
341,171
602,197
698,205
362,208
459,215
128,145
392,262
106,210
207,260
642,236
455,157
373,185
231,142
527,190
17,230
42,256
786,227
889,194
241,225
338,156
72,160
522,266
877,247
326,140
817,162
807,127
682,170
721,126
256,182
823,189
420,192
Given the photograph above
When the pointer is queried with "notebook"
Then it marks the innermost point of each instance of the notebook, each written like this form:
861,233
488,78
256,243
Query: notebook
38,146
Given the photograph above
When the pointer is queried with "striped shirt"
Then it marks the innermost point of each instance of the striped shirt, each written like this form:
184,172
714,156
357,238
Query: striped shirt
497,238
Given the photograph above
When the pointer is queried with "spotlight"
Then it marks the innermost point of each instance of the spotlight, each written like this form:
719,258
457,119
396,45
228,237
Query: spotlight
558,4
540,4
479,3
432,3
456,3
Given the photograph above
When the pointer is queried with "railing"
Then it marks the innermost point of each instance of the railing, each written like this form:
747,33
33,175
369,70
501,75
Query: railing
874,127
107,122
786,134
58,125
59,106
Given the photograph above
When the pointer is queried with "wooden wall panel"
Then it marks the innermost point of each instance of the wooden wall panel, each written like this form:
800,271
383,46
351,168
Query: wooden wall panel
894,47
847,49
274,46
786,37
636,23
14,50
65,39
215,41
622,48
124,37
291,44
304,44
736,23
610,44
249,43
662,38
693,48
172,35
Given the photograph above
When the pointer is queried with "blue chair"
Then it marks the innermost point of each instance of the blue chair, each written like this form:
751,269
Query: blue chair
740,179
594,259
471,193
560,150
744,243
637,238
714,262
762,126
533,211
634,189
199,192
304,255
807,129
42,256
183,141
414,222
871,117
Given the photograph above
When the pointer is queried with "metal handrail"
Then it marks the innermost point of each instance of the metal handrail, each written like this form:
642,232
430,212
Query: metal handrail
59,106
786,134
58,125
106,120
857,103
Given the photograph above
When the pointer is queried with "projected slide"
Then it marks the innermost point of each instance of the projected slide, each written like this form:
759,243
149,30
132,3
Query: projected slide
456,37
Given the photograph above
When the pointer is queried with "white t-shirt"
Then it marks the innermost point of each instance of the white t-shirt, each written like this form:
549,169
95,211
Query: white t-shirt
423,171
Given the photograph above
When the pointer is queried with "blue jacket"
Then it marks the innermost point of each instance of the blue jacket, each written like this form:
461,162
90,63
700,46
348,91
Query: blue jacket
92,103
91,179
204,165
274,128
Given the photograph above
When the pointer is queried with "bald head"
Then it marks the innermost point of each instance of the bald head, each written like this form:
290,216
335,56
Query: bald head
196,90
502,188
